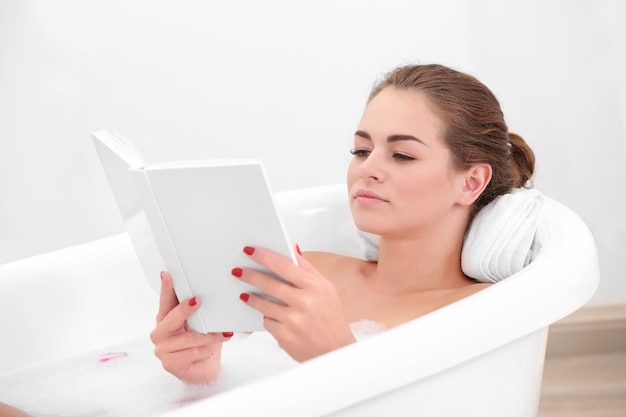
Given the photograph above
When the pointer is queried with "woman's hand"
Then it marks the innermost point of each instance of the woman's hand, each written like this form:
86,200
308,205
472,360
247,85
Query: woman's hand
311,320
190,356
9,411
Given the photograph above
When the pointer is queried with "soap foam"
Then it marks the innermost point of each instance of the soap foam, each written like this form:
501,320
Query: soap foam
128,380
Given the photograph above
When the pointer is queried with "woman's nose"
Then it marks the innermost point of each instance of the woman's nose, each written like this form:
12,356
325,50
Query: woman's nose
371,168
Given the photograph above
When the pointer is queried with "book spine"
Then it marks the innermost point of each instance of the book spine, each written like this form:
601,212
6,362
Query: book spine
164,243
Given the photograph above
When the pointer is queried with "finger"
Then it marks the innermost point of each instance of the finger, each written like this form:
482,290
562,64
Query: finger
268,308
192,339
188,340
304,262
174,321
281,266
177,362
190,355
267,284
167,297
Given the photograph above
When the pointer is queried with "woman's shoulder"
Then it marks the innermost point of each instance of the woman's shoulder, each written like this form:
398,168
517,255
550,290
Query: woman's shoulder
329,264
466,291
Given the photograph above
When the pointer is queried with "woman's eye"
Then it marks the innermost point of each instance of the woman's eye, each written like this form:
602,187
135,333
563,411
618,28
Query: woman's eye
360,153
402,157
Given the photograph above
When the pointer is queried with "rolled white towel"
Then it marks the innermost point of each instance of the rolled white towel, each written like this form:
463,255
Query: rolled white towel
499,241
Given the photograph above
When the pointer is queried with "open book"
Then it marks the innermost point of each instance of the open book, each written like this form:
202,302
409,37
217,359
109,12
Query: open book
193,219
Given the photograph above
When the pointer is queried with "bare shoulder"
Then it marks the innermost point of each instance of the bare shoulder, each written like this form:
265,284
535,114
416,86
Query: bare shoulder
323,258
330,264
466,291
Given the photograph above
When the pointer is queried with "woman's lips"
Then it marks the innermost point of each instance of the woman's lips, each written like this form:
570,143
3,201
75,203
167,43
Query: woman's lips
368,197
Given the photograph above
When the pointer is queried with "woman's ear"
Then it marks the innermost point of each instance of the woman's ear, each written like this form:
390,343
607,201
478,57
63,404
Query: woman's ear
476,180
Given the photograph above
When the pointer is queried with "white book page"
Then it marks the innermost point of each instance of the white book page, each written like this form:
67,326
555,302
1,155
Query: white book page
210,214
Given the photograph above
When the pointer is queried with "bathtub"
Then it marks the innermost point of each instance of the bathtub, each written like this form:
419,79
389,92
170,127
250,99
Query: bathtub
86,307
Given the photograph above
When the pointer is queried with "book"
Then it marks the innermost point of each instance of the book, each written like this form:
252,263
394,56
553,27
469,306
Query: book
193,219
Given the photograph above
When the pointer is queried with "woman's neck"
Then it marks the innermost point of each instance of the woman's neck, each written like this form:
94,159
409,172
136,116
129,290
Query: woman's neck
420,264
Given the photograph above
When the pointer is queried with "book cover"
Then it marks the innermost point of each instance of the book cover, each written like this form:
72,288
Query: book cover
193,218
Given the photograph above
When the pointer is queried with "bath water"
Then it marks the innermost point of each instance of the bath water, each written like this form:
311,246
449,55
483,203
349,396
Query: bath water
128,380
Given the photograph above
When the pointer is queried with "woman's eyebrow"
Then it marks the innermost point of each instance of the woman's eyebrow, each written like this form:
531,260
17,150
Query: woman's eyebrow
363,134
392,138
395,138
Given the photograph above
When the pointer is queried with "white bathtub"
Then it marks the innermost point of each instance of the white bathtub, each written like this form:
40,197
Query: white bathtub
482,356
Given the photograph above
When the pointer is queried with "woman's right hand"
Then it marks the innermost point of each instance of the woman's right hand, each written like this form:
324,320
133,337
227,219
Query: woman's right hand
190,356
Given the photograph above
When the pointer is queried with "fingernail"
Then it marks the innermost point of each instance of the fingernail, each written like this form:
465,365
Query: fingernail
244,297
248,250
162,275
228,334
237,272
298,249
193,301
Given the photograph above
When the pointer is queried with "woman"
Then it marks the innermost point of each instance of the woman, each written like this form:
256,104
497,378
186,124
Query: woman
431,149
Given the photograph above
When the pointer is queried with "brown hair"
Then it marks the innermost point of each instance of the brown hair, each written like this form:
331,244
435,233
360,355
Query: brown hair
475,131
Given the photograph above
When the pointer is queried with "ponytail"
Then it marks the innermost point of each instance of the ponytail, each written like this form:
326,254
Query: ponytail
523,160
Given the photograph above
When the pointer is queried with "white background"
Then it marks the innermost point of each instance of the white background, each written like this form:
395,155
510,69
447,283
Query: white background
286,81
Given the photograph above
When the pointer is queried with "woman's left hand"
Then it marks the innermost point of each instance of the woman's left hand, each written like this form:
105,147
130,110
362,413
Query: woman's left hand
311,320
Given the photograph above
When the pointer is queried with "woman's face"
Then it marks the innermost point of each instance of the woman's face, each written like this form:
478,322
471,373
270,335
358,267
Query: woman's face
401,179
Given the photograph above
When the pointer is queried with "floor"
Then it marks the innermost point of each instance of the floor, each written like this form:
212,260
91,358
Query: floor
589,385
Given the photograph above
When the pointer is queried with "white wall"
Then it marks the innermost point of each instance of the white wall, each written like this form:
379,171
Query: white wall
286,81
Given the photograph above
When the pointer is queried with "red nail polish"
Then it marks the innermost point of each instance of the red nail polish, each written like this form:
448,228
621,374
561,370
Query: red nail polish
298,249
193,301
248,250
244,297
228,334
238,272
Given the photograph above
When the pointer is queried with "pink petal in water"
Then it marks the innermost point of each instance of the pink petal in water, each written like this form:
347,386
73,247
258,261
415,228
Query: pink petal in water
112,356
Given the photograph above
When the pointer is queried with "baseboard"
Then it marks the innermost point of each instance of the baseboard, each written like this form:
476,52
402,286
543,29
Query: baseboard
592,329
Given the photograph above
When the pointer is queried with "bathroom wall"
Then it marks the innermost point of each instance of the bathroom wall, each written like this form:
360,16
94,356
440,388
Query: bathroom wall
286,82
